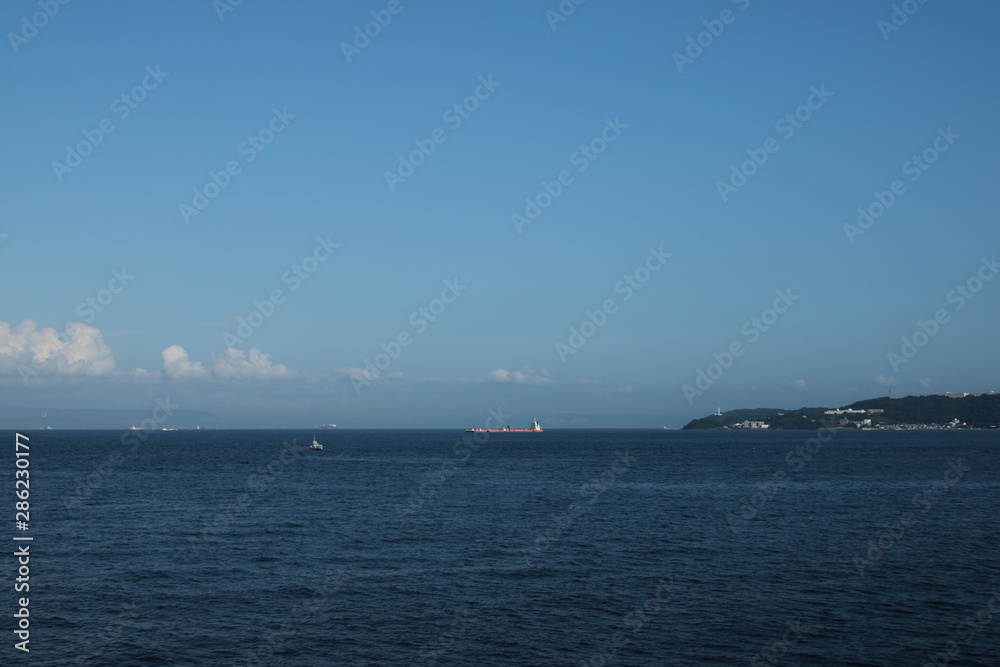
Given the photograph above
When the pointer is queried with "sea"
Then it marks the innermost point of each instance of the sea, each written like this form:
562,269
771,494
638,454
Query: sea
566,547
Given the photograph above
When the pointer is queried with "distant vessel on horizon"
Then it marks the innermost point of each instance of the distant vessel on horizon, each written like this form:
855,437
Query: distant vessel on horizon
534,428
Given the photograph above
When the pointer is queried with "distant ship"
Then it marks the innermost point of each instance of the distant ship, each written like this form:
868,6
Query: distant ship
534,428
316,444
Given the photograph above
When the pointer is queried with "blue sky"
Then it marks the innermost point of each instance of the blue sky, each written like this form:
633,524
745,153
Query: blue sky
198,88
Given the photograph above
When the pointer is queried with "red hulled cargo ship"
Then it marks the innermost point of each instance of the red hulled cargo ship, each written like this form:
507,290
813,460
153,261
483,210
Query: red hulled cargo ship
534,428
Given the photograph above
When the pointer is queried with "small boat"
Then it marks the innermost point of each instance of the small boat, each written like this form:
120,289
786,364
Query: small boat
316,445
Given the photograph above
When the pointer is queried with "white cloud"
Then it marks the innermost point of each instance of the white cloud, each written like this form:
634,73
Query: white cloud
30,351
236,365
799,384
926,383
524,376
176,365
447,380
140,374
885,381
354,373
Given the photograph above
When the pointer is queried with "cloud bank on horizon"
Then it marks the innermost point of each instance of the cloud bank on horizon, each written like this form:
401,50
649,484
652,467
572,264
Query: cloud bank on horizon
39,354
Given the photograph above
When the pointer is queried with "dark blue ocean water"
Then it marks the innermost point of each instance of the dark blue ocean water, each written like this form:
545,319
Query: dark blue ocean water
556,548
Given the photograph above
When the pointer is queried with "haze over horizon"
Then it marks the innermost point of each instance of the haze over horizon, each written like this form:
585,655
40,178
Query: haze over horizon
626,214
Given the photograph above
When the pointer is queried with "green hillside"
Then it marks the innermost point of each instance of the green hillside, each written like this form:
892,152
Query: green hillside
803,418
975,411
